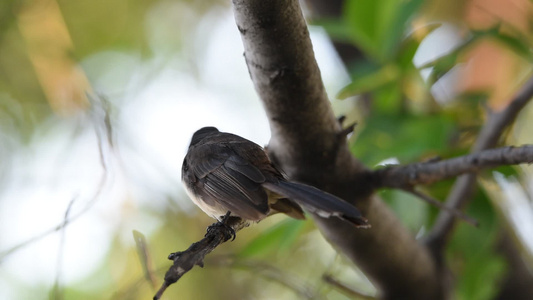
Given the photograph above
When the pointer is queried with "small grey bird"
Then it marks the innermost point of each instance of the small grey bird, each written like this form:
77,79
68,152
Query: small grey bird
226,174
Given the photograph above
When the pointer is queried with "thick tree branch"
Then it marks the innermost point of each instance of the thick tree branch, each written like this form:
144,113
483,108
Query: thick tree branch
308,145
402,177
465,185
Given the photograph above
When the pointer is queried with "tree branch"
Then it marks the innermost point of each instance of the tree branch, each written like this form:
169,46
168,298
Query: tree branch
465,185
217,234
308,145
425,173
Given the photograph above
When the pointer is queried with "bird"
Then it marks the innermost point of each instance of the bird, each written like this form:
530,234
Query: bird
226,175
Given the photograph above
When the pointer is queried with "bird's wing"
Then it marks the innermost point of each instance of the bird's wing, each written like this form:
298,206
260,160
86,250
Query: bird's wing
230,181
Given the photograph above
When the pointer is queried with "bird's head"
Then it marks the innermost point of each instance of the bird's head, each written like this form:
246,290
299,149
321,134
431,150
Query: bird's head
202,133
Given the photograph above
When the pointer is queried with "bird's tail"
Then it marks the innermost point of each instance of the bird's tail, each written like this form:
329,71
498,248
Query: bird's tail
318,202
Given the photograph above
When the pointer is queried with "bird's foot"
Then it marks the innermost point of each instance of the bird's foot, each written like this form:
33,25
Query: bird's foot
224,226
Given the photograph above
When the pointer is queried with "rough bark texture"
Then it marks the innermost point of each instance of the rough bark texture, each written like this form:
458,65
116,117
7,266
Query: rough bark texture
307,145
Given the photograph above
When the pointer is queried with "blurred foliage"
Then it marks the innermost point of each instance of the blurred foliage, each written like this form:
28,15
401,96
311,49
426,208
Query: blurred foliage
403,119
472,256
413,212
278,239
407,137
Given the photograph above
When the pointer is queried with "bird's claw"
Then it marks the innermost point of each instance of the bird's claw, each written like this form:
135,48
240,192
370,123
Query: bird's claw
223,224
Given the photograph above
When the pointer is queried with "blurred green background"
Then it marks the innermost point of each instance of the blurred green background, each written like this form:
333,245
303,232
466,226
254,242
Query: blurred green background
98,100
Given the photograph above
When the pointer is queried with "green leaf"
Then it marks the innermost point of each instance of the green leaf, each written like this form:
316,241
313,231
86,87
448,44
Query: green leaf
376,26
337,29
451,57
405,10
362,17
277,238
411,43
370,81
507,171
406,137
411,210
388,99
444,63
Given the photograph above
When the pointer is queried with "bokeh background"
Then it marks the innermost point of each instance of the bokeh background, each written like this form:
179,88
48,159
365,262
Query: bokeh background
98,101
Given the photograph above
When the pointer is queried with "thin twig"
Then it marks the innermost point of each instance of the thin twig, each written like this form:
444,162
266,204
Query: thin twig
144,257
57,291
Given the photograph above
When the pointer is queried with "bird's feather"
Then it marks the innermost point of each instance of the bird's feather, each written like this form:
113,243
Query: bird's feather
231,182
317,201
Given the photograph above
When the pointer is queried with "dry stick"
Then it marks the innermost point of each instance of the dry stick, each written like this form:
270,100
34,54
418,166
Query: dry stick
465,185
